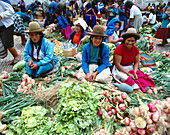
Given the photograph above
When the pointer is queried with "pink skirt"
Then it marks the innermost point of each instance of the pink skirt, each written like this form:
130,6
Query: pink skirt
66,32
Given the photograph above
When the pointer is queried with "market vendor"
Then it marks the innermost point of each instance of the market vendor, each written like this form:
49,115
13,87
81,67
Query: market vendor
39,52
79,32
95,59
135,17
63,24
112,32
126,62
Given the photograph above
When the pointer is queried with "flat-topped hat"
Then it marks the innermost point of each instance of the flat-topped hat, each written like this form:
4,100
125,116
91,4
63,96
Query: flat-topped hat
131,32
98,30
34,27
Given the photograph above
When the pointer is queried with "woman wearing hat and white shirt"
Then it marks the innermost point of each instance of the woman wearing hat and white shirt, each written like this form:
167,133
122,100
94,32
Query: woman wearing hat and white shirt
39,52
79,32
126,62
95,59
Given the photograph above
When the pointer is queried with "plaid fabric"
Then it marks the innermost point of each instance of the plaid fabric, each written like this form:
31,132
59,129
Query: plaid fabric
19,26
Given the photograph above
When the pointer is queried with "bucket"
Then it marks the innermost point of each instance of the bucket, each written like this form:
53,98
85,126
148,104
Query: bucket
155,27
3,51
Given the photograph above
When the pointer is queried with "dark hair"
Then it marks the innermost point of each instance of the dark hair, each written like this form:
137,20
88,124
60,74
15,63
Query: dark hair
94,36
128,36
39,44
128,4
56,11
152,10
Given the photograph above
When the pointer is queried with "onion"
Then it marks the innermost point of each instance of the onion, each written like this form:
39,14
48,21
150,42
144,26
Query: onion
141,131
155,116
119,99
158,102
133,126
149,91
102,132
133,133
137,112
127,121
23,84
105,93
107,107
124,95
119,116
150,129
122,106
114,111
149,121
167,111
3,127
25,76
152,107
143,107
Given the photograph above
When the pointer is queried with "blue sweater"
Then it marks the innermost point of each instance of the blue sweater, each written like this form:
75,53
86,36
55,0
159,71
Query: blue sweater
165,21
53,5
86,58
47,49
122,14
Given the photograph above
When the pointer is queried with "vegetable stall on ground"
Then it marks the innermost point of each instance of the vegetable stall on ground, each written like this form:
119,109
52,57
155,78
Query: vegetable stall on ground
60,104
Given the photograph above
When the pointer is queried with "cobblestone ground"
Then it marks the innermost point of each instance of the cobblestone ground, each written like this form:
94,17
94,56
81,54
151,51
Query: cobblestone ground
4,66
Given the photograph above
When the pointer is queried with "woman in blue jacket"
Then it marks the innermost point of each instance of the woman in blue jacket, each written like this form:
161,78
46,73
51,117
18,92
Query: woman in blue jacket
63,24
39,52
95,59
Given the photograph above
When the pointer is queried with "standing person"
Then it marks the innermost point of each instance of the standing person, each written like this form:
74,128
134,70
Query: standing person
95,59
29,12
100,7
90,16
163,32
63,24
69,14
46,4
122,15
126,62
52,7
152,18
7,29
22,5
135,15
39,52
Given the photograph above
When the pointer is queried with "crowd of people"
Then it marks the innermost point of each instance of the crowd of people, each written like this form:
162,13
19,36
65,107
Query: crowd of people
123,23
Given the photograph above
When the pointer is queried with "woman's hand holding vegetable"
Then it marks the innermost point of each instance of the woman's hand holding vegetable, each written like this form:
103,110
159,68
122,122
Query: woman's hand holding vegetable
88,77
131,75
94,75
135,76
30,62
34,66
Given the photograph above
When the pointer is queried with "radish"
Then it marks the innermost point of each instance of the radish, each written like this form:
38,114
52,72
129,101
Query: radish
123,95
20,86
114,111
119,99
155,116
24,80
114,102
158,102
23,84
141,131
143,107
20,90
133,126
152,107
127,121
105,93
122,106
99,113
133,133
107,107
102,132
137,112
5,76
149,121
149,91
150,129
168,99
119,116
109,113
167,111
24,76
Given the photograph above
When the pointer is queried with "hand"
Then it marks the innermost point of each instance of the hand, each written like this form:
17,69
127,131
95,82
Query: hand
67,41
34,66
131,76
0,18
120,39
88,77
94,75
30,63
135,76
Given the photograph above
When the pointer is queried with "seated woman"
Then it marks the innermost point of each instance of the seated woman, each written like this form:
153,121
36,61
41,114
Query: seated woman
152,18
112,30
95,59
126,62
39,52
79,32
63,23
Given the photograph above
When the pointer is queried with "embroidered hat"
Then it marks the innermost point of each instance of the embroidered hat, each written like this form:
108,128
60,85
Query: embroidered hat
82,23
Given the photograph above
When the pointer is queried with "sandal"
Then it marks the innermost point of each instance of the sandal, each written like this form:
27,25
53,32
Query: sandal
13,62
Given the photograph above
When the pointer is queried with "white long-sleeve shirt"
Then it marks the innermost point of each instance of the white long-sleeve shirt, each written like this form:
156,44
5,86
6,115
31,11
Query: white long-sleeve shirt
6,12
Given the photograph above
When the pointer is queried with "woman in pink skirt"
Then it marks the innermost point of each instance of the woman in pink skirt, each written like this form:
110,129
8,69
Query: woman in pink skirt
63,23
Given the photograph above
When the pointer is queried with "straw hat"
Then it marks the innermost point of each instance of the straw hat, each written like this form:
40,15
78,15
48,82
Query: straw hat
131,32
82,23
34,27
98,30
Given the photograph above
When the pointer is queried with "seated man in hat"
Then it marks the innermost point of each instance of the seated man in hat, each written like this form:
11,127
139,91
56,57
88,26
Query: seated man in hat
39,52
95,59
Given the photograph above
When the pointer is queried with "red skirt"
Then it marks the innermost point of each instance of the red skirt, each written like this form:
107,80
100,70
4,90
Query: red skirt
163,33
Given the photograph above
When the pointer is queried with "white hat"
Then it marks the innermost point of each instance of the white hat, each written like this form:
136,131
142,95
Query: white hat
82,23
